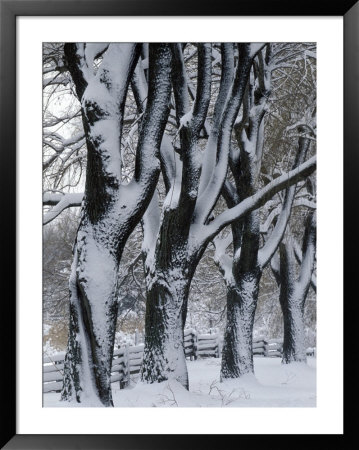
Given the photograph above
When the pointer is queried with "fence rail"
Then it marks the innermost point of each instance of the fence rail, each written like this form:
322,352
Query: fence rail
127,360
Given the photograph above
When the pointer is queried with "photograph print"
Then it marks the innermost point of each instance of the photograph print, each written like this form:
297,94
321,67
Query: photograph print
179,224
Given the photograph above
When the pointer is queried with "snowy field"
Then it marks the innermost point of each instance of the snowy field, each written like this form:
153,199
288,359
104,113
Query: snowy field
275,385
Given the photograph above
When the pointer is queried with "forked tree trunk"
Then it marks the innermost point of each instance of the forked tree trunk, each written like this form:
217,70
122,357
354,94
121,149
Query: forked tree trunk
174,259
184,231
243,275
110,210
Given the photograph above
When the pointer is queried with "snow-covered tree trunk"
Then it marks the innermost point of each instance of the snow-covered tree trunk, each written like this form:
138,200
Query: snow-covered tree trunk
243,278
110,209
237,357
172,263
164,356
194,177
242,282
242,275
293,291
167,279
293,311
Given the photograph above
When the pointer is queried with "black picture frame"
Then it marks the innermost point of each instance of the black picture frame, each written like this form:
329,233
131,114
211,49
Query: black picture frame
9,10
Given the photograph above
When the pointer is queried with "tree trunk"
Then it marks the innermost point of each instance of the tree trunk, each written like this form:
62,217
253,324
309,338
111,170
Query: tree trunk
237,355
110,210
294,336
164,356
93,314
293,291
177,251
292,304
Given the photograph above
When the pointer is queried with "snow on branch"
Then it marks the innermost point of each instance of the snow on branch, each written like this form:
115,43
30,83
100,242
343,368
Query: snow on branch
269,248
301,201
232,106
227,75
256,48
60,202
299,257
258,199
307,265
221,259
59,144
203,93
58,79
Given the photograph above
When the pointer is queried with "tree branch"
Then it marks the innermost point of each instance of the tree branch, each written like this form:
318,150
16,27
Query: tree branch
269,248
60,203
257,200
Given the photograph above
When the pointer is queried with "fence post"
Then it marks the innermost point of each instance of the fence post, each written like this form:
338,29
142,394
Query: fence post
192,357
218,346
126,368
195,340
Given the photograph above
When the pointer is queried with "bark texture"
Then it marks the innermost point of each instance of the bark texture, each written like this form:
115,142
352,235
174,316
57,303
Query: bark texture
294,291
243,275
110,210
171,266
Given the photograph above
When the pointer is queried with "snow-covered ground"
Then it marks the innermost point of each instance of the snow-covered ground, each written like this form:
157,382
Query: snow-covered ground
274,385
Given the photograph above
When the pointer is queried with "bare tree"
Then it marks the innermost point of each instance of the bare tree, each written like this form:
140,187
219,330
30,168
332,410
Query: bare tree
194,155
242,271
64,146
294,288
110,209
194,174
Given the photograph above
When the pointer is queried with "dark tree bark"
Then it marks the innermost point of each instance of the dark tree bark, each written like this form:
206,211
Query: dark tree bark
194,183
174,260
294,291
243,274
169,277
110,209
242,282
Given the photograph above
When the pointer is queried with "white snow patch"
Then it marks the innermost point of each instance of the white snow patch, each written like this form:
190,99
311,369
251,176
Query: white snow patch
274,385
186,119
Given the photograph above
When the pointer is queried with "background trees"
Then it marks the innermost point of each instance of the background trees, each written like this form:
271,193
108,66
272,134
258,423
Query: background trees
242,270
294,288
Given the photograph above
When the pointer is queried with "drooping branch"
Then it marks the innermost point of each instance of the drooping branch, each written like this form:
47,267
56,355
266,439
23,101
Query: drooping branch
299,257
60,202
273,215
258,199
309,248
267,251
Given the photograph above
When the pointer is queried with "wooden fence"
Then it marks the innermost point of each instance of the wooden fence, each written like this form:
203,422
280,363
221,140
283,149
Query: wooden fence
127,359
274,348
126,364
53,372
